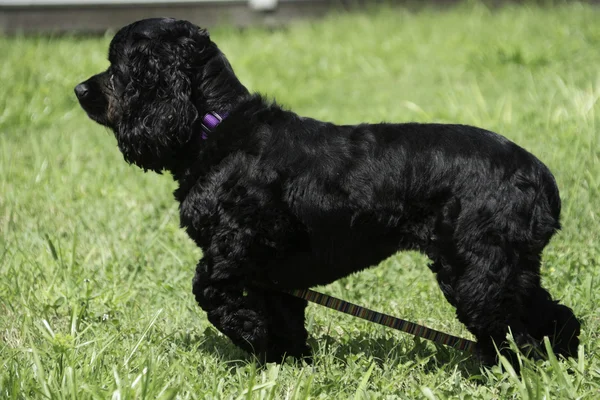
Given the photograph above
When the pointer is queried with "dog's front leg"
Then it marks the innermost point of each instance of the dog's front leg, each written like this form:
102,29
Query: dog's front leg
219,291
287,333
265,322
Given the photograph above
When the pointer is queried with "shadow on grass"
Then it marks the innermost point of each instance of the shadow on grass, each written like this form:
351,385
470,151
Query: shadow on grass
388,351
396,352
209,341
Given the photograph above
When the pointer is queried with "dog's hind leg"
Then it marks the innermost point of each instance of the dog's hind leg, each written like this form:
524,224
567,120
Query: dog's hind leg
489,269
490,290
548,318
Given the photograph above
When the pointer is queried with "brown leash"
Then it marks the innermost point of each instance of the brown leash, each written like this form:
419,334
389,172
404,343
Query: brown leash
384,319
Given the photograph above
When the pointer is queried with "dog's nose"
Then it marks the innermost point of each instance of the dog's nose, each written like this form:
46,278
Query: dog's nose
81,90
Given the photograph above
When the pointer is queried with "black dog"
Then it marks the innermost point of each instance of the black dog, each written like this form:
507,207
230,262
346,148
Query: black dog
278,201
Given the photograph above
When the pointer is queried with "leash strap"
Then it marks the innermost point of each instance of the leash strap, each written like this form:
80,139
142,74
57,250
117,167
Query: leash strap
384,319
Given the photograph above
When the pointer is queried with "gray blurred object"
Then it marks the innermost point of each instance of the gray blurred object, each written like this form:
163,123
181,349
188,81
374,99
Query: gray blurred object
263,5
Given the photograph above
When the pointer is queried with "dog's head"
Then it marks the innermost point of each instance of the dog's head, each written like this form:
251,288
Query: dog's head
151,95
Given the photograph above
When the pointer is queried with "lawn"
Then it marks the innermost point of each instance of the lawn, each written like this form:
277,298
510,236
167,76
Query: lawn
95,273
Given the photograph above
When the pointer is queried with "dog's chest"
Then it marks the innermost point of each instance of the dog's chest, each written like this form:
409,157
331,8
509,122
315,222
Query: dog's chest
227,211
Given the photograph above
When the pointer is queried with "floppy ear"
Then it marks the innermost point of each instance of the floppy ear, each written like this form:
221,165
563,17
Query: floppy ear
159,114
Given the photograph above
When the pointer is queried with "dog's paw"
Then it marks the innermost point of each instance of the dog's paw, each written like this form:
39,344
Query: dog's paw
251,328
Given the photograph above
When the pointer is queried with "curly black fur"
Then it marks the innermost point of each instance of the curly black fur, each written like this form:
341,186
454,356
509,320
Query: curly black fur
278,201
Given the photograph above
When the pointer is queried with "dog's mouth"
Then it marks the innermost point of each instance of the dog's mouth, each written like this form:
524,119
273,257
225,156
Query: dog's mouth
95,112
93,101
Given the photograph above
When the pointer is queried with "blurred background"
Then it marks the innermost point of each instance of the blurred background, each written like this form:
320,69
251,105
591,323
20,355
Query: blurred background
97,16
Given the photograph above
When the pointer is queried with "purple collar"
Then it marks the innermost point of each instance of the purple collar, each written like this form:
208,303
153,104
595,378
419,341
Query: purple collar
210,122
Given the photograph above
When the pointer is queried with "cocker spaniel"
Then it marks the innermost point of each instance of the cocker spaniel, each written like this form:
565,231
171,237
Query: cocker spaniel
278,201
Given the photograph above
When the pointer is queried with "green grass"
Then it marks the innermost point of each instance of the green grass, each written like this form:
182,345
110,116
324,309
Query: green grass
95,274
